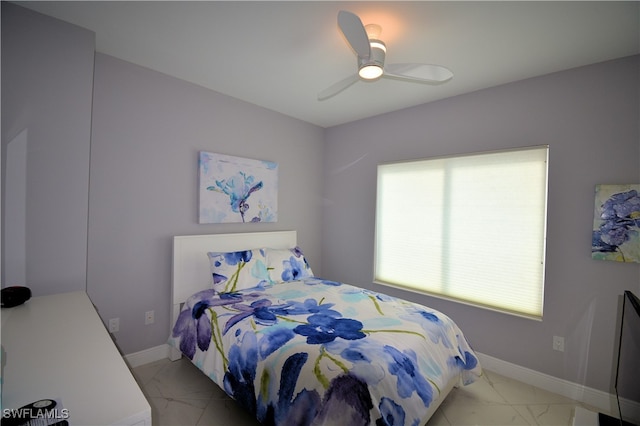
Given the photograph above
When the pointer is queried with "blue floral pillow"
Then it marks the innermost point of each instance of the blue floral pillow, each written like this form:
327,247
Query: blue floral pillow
238,270
287,265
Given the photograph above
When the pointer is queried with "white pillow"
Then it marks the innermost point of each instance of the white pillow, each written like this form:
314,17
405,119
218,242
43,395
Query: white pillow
238,270
287,265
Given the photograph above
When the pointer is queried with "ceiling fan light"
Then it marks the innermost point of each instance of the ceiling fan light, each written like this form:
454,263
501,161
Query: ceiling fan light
370,72
377,44
371,68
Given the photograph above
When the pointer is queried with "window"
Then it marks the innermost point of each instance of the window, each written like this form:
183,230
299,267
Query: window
468,228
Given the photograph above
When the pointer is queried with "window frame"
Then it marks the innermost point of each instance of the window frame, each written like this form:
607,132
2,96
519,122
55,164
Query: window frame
539,286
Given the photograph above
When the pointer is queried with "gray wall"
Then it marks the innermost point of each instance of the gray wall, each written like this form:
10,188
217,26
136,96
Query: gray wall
47,78
590,118
147,131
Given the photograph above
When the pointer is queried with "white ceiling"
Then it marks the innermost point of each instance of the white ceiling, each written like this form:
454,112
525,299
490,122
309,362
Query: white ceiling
279,55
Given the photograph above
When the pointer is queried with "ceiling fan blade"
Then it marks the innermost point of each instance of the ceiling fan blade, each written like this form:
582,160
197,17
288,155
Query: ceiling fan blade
338,87
425,73
353,30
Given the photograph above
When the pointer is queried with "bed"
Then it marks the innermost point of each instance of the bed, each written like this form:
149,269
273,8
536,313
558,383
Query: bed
295,349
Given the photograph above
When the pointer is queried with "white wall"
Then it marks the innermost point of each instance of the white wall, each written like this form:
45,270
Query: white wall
590,118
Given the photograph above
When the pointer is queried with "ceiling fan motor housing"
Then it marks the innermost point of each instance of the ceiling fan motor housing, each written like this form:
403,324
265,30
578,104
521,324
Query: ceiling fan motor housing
376,57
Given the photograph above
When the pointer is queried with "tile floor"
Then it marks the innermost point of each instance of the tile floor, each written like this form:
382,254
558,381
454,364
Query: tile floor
179,394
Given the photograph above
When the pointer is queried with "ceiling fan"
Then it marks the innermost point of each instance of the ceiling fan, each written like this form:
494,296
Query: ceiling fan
371,52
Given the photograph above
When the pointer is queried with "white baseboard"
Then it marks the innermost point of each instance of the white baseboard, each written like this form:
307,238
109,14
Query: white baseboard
146,356
584,417
603,401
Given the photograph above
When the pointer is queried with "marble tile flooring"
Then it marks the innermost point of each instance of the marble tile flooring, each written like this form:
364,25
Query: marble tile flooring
179,394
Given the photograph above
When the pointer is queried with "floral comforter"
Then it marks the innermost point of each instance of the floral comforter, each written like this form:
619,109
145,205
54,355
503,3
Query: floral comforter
321,352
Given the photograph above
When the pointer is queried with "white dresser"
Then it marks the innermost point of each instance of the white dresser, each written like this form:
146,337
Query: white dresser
56,347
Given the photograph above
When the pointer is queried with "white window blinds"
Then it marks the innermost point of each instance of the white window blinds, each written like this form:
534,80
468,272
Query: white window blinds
469,228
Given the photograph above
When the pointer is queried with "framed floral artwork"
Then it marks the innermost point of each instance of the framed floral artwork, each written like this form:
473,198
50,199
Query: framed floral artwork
234,189
616,223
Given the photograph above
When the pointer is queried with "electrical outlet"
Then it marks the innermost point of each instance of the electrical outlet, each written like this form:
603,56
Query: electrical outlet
149,317
114,325
558,343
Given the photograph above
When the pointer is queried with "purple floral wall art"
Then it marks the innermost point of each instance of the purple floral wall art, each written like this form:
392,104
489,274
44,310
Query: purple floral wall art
616,223
235,189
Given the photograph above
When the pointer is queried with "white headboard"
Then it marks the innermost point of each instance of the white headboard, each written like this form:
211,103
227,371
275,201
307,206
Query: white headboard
190,268
191,271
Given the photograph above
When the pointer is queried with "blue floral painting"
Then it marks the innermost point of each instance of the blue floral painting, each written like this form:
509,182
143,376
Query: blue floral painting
235,189
616,224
